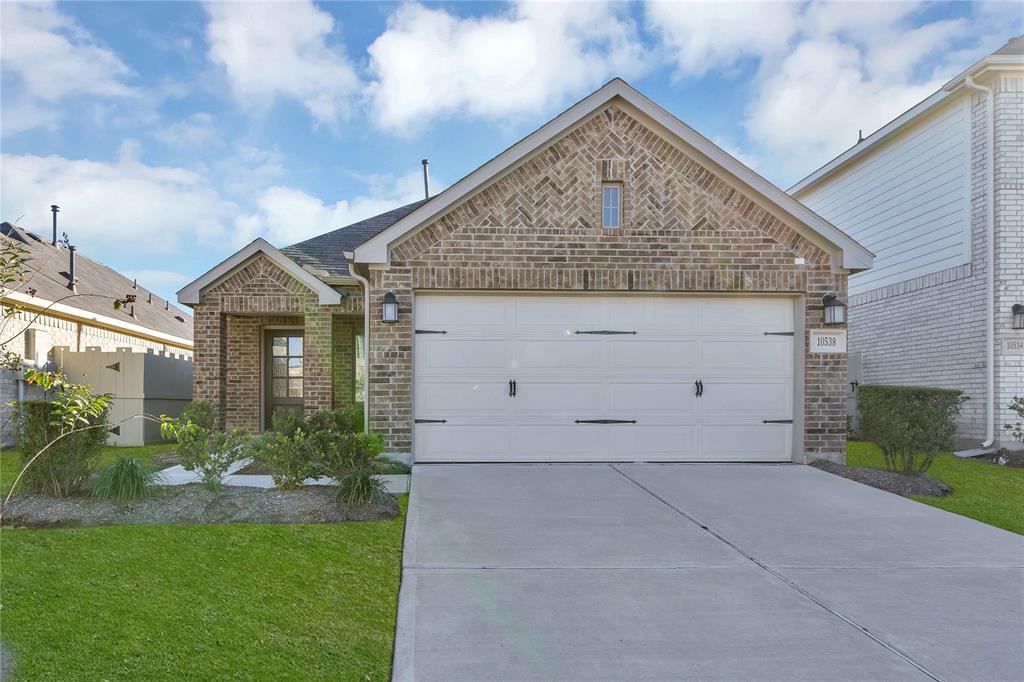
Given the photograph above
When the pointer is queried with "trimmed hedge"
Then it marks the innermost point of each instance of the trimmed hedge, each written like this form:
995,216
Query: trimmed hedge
910,424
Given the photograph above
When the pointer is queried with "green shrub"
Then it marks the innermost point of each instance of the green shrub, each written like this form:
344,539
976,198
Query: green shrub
910,424
66,465
361,486
286,421
125,480
291,458
203,450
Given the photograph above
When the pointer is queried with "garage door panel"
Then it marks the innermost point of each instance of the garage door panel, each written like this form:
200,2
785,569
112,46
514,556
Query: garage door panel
477,312
440,398
630,399
758,315
439,353
732,442
569,398
464,442
579,442
722,399
558,313
761,356
655,355
559,353
641,441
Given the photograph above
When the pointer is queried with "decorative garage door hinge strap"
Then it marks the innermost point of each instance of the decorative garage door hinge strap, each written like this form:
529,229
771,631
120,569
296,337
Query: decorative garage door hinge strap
431,331
606,421
431,421
776,421
778,333
604,332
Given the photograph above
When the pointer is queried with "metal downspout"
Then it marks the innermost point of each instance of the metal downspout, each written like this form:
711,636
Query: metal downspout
990,252
366,339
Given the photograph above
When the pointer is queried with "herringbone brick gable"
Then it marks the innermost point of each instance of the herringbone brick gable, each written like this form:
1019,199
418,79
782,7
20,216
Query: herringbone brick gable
671,203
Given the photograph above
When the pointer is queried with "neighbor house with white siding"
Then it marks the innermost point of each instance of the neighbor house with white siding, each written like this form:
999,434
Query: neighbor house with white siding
938,307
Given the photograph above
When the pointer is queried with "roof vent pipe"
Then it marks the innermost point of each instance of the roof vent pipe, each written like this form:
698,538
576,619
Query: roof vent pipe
426,178
71,269
56,209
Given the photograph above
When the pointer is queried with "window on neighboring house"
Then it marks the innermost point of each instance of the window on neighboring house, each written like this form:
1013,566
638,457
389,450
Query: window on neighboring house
611,205
360,382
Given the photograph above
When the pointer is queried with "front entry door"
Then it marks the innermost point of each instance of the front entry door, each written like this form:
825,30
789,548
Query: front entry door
283,362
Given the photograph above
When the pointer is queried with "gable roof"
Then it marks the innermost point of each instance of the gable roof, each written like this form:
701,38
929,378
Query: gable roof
191,292
849,253
47,273
325,253
1009,57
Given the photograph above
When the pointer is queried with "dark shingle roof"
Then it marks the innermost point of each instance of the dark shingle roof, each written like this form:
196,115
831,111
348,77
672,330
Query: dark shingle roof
47,273
326,252
1013,46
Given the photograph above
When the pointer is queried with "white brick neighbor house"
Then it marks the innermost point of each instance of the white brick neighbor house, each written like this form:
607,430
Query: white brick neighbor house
613,287
937,309
64,309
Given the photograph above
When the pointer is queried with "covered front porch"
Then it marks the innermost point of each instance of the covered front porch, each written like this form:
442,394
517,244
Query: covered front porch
266,342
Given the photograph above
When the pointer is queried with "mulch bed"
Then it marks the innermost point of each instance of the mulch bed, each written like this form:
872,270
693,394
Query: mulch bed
886,480
1006,458
195,504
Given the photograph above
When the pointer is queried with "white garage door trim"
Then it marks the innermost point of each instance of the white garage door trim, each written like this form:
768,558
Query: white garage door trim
560,377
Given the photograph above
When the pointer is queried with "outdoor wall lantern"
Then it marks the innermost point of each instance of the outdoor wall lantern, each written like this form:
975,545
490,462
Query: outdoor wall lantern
389,309
835,310
1018,315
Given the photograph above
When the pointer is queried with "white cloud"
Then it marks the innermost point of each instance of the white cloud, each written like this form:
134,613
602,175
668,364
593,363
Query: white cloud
431,64
811,107
121,207
192,131
824,70
285,215
49,57
704,36
53,57
281,49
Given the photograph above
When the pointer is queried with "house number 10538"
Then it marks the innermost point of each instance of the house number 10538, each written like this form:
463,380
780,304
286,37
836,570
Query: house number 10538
828,341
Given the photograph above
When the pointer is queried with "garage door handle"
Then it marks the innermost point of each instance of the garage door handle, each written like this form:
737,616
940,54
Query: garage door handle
605,421
515,388
776,421
699,385
510,394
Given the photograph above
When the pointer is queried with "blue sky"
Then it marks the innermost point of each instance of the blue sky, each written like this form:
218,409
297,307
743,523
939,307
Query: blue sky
171,134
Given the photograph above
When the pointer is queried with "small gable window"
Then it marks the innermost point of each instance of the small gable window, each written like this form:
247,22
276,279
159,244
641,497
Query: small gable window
611,205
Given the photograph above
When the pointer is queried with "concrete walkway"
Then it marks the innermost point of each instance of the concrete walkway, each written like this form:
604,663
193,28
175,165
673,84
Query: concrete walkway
698,571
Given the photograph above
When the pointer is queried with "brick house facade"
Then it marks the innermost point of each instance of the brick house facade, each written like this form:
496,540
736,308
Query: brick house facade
690,226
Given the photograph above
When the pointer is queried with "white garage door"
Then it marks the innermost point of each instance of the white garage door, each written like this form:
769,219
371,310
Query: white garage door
618,378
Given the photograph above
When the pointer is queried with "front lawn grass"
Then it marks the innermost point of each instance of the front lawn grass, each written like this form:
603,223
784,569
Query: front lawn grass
10,459
202,602
983,491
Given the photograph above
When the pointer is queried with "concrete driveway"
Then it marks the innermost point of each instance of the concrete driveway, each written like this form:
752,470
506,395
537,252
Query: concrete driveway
698,571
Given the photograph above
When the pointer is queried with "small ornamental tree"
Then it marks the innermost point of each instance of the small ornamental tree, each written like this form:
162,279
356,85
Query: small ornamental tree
910,424
1017,428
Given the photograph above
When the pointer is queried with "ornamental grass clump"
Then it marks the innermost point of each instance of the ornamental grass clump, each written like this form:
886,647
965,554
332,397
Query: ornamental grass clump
910,424
125,480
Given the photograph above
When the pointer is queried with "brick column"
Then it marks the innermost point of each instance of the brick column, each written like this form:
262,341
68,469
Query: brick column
210,358
389,391
825,387
242,385
317,364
